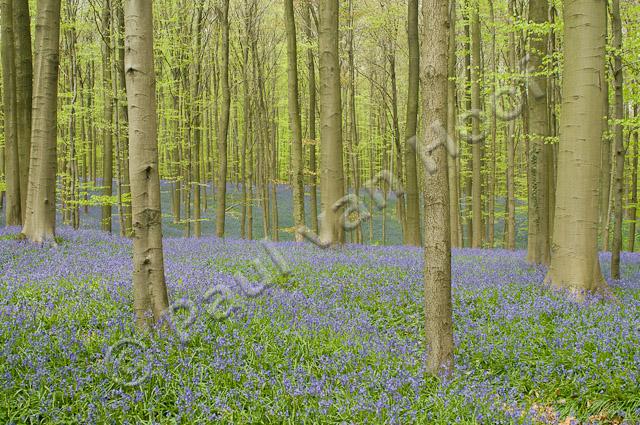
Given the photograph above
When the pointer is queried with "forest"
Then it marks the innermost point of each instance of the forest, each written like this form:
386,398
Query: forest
319,212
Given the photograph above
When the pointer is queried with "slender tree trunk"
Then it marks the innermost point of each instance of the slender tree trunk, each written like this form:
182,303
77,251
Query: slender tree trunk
297,179
618,81
13,213
468,179
606,178
397,146
224,123
124,117
574,263
353,120
412,229
437,241
149,289
634,191
476,106
331,174
454,197
537,101
197,119
107,116
510,224
40,221
312,120
24,89
494,131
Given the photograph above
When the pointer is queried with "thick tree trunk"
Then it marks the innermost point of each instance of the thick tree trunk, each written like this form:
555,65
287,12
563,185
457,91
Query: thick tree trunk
618,82
437,241
223,128
40,220
13,213
537,101
331,173
574,262
150,292
297,175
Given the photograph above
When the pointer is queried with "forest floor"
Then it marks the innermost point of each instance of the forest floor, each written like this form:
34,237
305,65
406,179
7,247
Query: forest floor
337,340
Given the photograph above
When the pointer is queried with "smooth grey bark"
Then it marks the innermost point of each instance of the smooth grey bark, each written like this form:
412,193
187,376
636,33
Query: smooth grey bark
13,213
107,116
24,93
539,241
297,175
149,288
574,261
332,170
40,219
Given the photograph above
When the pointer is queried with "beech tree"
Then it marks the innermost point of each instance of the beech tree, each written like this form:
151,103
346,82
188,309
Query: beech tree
297,179
412,231
331,171
574,262
40,218
223,127
12,205
149,288
24,93
437,241
539,237
619,149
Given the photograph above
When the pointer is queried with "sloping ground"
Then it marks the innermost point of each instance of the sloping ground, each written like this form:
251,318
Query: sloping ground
339,340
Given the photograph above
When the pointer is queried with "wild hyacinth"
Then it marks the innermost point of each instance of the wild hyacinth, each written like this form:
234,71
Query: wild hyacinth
338,341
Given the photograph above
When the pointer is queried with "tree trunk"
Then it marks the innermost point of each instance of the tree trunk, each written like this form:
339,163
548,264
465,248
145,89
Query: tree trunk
150,291
634,191
223,128
197,120
537,102
107,116
606,175
24,92
476,107
510,235
40,220
437,241
618,81
454,197
574,262
297,179
312,121
331,174
13,213
412,228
